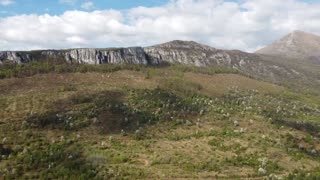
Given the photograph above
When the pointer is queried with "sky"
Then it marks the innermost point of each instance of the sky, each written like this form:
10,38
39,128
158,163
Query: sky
246,25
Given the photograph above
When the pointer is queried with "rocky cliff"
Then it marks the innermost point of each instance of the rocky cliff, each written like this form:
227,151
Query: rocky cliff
16,57
132,55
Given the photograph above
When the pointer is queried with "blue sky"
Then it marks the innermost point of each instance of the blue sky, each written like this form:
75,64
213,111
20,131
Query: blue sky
229,24
56,7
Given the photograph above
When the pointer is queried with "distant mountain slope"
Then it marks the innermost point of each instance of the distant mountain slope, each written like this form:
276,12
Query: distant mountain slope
270,68
297,44
265,67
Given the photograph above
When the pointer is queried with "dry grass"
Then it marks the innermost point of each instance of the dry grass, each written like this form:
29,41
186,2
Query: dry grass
220,84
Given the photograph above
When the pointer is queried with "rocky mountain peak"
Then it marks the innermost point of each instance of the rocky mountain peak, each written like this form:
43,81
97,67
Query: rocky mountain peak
299,33
297,44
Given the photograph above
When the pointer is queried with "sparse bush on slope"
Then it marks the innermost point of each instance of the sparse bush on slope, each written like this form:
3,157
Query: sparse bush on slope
9,70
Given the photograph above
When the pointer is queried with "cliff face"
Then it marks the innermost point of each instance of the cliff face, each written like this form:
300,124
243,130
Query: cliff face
192,53
133,55
16,57
182,52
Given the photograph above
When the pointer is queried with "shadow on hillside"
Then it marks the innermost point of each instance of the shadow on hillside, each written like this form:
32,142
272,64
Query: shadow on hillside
301,125
102,110
110,111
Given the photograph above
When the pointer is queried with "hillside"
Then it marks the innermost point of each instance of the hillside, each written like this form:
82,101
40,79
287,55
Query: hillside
176,110
142,122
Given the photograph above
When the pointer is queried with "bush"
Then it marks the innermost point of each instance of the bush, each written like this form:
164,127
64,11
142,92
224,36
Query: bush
181,86
58,160
9,70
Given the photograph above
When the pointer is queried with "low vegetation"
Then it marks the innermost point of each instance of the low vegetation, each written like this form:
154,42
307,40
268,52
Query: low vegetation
9,69
135,122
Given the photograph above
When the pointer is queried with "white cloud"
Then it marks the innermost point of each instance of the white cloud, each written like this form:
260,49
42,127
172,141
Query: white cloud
67,1
6,2
87,5
245,25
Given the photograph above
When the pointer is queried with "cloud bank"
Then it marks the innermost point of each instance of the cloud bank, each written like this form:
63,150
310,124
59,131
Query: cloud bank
6,2
246,25
87,5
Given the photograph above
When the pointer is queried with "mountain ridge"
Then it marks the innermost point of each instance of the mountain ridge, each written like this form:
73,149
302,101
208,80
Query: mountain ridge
259,66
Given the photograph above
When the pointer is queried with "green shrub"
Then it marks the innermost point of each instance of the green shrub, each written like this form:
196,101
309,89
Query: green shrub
181,86
58,160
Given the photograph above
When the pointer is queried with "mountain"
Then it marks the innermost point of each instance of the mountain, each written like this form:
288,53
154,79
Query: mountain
271,68
264,67
174,52
297,44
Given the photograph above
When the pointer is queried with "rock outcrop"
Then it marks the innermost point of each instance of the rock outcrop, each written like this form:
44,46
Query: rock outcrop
182,52
16,57
192,53
132,55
